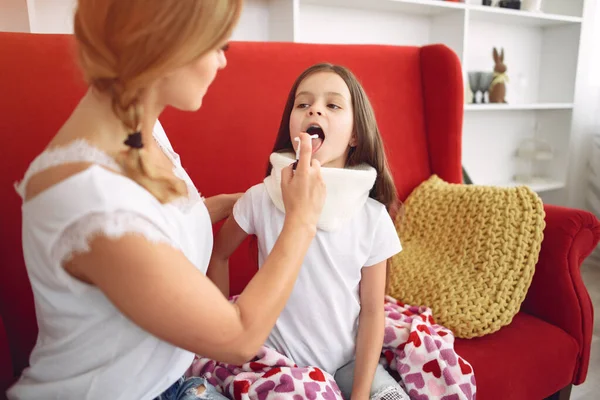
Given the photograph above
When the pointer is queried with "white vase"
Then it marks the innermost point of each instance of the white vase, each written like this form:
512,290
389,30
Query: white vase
531,5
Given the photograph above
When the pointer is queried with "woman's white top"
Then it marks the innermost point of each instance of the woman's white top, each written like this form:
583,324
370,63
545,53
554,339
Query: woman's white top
86,348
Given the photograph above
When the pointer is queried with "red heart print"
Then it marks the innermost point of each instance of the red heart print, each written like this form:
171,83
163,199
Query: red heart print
398,302
433,367
272,372
414,338
254,366
464,367
431,320
442,333
423,328
423,317
389,356
407,313
317,375
240,388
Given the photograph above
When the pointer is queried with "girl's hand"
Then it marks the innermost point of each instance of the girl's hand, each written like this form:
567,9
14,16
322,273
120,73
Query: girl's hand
221,206
303,190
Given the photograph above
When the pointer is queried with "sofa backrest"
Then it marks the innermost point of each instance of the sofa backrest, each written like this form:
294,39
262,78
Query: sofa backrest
417,94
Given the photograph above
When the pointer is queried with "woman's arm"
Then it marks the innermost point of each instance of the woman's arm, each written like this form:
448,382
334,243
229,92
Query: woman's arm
370,329
158,288
228,239
180,305
220,206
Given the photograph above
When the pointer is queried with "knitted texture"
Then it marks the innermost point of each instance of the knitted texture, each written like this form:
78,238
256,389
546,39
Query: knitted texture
469,253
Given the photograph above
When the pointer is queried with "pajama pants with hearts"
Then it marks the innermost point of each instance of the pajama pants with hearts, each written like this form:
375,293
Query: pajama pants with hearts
187,389
384,386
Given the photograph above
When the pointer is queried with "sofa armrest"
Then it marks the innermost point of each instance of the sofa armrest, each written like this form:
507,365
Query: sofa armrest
557,294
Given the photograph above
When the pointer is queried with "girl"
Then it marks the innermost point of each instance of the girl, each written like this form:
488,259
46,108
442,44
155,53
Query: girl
335,316
118,269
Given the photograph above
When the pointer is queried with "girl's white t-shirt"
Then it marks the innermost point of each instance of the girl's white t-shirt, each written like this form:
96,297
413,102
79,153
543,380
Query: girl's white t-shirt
319,323
86,348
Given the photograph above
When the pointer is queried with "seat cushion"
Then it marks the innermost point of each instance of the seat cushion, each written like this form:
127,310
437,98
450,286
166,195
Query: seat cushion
528,359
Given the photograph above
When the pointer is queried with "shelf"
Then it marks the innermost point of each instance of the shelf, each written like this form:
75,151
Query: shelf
518,17
539,186
417,7
436,7
518,107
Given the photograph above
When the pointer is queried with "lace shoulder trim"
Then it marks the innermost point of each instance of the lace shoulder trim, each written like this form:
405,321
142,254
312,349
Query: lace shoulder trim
77,151
76,238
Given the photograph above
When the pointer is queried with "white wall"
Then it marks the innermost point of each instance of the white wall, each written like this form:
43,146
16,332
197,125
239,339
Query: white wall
254,22
586,118
330,25
14,16
54,16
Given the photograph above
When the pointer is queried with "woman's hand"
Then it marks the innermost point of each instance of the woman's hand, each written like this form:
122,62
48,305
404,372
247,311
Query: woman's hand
303,190
221,205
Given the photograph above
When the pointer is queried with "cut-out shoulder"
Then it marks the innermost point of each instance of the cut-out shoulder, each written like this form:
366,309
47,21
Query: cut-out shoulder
79,176
48,178
56,164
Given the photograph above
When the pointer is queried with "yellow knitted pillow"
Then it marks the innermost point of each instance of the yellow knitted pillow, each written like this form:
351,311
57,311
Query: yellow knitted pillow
469,253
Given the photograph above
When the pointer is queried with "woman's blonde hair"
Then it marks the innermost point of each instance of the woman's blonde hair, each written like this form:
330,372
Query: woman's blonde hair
125,45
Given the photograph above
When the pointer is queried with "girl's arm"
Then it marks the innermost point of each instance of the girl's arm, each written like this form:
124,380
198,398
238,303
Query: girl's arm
370,329
227,241
220,206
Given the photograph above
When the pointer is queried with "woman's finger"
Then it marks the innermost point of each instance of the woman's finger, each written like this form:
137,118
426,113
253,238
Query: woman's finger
305,153
286,175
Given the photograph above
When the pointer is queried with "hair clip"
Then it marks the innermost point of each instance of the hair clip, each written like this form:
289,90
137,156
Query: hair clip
134,140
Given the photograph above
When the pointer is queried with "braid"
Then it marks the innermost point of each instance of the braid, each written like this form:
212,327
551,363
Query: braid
134,161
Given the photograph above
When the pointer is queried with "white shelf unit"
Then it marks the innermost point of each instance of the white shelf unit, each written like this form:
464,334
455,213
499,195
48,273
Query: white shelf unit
519,107
541,52
520,17
540,185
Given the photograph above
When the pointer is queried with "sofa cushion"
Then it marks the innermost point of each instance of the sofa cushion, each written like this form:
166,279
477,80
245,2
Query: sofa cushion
504,373
469,253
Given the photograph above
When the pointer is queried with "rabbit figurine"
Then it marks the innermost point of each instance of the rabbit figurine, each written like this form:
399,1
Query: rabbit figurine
498,85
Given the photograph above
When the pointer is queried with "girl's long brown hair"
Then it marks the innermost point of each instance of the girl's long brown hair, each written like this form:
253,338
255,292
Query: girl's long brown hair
125,45
369,145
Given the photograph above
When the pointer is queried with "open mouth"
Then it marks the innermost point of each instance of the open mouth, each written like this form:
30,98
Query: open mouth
315,129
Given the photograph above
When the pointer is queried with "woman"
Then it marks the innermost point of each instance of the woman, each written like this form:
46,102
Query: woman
116,238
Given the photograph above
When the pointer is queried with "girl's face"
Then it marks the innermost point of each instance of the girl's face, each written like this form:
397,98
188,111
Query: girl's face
323,106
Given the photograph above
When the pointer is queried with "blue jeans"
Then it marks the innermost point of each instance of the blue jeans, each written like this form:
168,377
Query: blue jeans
384,386
185,389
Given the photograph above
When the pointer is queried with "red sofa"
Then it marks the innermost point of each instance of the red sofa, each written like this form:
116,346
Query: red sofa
418,98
